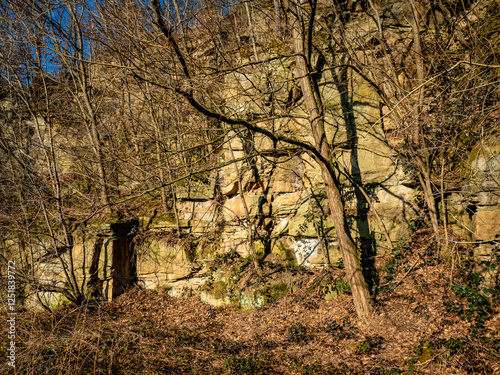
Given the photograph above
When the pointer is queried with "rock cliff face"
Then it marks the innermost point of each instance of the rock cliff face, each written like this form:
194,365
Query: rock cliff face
279,194
288,213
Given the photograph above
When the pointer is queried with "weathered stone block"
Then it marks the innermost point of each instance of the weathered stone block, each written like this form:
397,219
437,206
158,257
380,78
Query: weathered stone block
486,259
234,154
235,141
334,255
283,247
165,222
461,224
237,241
159,261
485,158
263,142
373,161
217,296
235,210
486,223
229,184
260,247
288,176
196,212
305,224
178,288
281,227
286,204
396,201
486,198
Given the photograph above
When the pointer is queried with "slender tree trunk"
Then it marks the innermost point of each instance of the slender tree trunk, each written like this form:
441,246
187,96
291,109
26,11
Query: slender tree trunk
277,19
421,152
445,249
251,30
81,76
425,182
359,288
179,20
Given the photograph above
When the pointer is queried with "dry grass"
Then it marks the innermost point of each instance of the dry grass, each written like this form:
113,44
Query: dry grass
419,327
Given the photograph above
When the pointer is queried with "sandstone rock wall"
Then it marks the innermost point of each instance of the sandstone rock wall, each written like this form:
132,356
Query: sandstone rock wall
279,193
474,211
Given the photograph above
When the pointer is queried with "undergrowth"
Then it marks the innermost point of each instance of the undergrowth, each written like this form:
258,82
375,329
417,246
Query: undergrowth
438,323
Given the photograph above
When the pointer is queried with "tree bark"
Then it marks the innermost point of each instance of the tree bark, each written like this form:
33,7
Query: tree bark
421,151
359,288
251,31
277,19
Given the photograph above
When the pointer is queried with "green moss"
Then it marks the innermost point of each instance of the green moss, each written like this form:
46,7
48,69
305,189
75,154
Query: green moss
488,150
272,292
190,251
219,289
182,183
334,255
426,352
208,251
330,289
284,250
168,217
113,217
470,161
150,200
247,300
260,247
244,263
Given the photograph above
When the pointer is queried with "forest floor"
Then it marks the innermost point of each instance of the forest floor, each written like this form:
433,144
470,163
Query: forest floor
430,318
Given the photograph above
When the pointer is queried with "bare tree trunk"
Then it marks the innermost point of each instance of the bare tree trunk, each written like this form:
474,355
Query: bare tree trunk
277,19
445,250
359,288
425,182
251,31
80,74
421,151
179,20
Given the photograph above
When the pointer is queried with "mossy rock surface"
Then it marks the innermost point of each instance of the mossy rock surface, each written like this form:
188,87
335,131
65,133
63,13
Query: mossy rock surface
273,292
260,247
219,289
483,158
283,247
235,282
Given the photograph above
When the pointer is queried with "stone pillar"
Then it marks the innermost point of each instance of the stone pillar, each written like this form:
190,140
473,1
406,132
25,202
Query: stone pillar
119,253
124,273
